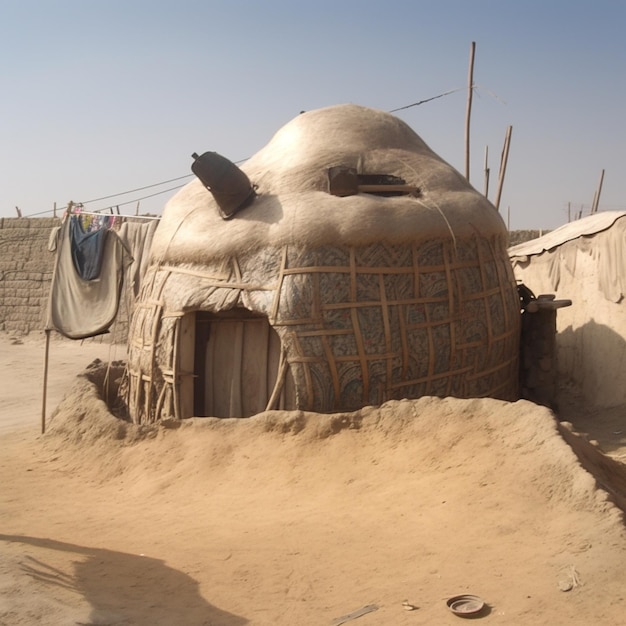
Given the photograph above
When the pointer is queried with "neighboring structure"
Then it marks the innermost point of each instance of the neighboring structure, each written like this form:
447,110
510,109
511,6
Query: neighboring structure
585,262
27,263
26,269
306,300
520,236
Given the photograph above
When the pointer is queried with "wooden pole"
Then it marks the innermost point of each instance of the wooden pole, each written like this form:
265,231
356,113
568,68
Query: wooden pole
45,382
280,381
503,161
470,91
19,213
54,210
569,212
508,217
596,199
486,171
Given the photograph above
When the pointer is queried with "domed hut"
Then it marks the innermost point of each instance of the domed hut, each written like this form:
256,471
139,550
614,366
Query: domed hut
361,268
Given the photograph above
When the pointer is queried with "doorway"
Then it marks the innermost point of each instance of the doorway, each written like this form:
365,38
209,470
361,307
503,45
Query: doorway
237,363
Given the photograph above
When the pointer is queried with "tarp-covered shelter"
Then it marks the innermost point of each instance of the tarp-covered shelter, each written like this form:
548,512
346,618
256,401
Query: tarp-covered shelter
314,301
584,261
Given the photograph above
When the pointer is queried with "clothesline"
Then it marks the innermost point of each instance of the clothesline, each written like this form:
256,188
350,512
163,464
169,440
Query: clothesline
135,217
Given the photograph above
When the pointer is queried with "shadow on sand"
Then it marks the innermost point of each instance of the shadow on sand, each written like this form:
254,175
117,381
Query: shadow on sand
124,588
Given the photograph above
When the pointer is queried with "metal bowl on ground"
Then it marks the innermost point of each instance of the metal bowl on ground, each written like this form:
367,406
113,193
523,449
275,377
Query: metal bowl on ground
465,605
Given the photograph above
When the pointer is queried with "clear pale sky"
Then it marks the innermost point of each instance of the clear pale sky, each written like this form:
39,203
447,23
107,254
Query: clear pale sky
102,97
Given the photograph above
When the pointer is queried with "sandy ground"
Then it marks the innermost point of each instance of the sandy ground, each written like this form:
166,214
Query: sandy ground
295,519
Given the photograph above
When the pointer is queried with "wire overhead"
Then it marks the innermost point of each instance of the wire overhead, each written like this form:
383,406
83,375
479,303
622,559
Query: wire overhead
123,193
441,95
171,180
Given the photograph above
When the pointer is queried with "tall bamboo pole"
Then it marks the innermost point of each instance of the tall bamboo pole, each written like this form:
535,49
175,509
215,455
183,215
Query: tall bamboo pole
470,91
503,161
45,382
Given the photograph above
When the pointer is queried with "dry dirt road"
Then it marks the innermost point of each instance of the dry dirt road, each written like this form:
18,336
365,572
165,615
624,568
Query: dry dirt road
290,518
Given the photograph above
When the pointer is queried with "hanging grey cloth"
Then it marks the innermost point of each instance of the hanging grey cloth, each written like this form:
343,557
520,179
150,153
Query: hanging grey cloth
137,237
80,308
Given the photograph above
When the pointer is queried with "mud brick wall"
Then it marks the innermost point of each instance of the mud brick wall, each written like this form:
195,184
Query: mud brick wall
522,236
26,268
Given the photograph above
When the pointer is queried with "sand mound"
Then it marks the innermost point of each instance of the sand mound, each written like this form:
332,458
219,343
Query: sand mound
434,434
296,518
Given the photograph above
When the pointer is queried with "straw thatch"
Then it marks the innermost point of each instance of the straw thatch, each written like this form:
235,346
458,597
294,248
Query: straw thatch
372,298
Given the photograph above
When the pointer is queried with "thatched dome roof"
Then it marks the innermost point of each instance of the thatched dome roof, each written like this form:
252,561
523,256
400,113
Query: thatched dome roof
294,206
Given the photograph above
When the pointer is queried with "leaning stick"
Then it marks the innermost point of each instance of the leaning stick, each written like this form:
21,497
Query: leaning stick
596,198
470,89
486,194
280,381
503,161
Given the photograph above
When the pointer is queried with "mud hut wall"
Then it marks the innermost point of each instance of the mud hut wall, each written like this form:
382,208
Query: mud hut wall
160,328
26,267
360,325
387,322
150,347
591,334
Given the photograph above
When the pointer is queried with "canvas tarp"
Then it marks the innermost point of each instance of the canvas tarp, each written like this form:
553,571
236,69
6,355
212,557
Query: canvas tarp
602,235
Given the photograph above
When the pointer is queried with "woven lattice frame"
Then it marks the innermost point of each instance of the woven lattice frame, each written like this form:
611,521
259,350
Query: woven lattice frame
360,325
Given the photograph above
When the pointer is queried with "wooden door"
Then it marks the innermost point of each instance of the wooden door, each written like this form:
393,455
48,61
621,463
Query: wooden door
237,362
